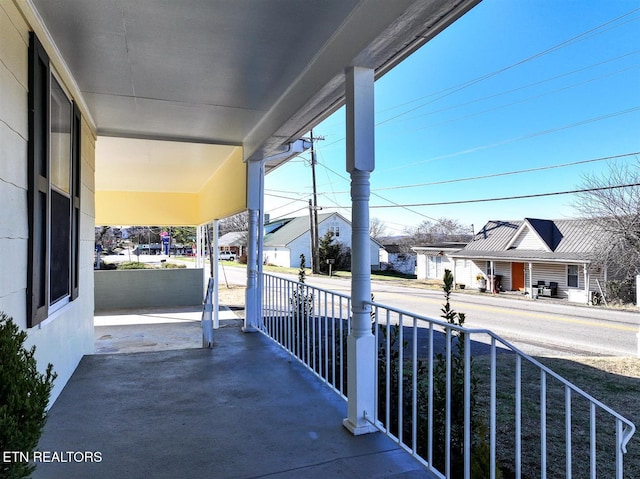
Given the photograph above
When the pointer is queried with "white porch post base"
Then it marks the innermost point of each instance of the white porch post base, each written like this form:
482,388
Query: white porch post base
361,376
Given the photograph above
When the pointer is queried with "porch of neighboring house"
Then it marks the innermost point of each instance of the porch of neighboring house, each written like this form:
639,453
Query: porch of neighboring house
242,409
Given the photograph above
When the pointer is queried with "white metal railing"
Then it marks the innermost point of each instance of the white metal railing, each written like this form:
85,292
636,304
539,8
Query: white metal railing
311,323
457,399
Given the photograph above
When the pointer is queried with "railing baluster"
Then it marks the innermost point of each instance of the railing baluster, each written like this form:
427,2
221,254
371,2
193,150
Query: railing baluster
400,377
619,451
492,411
567,427
447,414
312,319
326,337
333,340
592,440
543,424
430,400
387,414
467,405
414,388
518,417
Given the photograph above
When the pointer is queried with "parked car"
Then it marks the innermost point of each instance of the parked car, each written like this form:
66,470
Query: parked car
226,255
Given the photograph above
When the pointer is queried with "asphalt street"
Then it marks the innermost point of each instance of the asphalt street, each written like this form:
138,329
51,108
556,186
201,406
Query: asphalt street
538,327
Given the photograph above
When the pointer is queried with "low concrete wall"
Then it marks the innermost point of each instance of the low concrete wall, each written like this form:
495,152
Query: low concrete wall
148,288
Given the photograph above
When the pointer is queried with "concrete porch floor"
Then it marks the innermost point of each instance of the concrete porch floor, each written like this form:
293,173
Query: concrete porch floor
239,410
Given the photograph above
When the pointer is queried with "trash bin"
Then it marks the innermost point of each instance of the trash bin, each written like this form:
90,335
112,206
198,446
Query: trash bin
495,281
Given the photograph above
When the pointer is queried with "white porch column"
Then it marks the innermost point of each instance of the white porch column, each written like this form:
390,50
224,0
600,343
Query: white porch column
198,251
530,280
216,290
585,270
361,347
254,194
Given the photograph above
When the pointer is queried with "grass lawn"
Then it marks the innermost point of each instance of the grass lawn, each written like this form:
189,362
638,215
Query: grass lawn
613,381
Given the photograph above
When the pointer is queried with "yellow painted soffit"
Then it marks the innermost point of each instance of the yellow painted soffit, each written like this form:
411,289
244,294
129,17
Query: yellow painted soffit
150,182
225,193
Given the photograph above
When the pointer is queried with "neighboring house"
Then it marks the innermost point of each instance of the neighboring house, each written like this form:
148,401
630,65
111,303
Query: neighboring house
284,244
396,256
527,255
433,259
234,242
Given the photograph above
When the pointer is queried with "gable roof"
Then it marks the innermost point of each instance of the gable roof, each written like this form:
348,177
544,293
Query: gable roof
574,240
293,228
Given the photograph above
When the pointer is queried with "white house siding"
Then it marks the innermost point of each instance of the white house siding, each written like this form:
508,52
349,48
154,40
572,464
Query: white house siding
435,266
302,245
465,271
528,240
504,270
67,334
407,268
401,262
549,272
278,257
421,266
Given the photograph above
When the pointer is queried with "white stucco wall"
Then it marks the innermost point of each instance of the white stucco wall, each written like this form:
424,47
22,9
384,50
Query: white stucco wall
66,335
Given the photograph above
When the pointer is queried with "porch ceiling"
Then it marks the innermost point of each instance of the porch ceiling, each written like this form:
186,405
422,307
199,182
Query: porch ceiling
245,73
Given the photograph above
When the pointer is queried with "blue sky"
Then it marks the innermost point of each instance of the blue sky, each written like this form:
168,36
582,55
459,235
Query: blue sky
513,85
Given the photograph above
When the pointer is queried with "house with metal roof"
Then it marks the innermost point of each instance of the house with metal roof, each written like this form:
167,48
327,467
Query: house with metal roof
284,243
539,257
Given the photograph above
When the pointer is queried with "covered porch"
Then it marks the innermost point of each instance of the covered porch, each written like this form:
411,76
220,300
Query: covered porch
242,409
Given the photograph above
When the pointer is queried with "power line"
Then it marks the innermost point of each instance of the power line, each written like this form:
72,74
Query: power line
381,197
508,173
570,41
288,215
286,197
505,198
506,105
529,85
519,138
448,91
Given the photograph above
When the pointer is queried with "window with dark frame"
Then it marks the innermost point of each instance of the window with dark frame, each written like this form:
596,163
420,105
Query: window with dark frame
572,276
54,190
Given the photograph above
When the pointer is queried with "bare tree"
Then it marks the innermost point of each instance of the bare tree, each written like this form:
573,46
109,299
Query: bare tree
235,223
616,210
442,229
377,228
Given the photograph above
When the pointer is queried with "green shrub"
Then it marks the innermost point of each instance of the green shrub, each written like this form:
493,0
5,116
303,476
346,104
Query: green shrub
621,291
108,266
24,395
131,265
172,266
480,457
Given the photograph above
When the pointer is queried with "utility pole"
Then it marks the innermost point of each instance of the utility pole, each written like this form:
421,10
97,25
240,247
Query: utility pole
315,249
312,237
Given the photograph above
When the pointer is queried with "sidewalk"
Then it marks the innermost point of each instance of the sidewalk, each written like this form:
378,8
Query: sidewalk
127,331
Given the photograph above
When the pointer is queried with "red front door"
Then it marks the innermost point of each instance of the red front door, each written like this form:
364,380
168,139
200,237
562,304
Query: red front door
517,276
